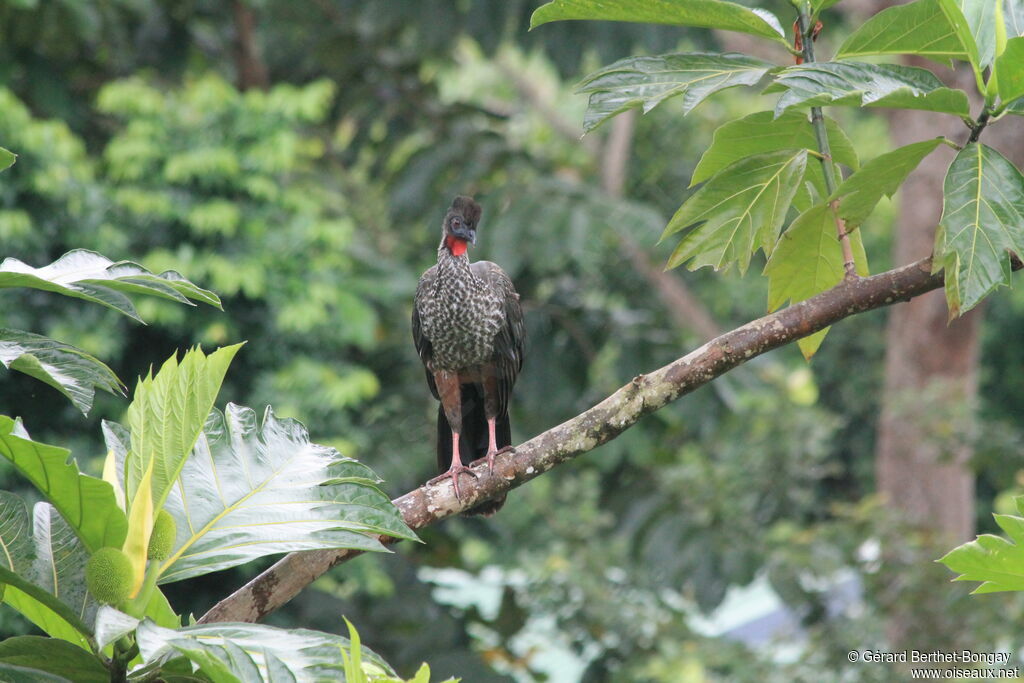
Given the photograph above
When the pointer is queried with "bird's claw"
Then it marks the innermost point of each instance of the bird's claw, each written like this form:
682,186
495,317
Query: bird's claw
491,455
453,473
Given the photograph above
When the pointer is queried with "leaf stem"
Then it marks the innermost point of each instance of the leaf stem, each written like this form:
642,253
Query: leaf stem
950,143
821,136
136,606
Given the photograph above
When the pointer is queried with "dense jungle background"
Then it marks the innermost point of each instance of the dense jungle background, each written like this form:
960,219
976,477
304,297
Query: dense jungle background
297,159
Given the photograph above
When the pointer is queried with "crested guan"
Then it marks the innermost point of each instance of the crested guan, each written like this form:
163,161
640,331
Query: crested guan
468,329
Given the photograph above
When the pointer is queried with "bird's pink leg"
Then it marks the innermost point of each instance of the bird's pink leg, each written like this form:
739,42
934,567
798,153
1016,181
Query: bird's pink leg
456,468
492,446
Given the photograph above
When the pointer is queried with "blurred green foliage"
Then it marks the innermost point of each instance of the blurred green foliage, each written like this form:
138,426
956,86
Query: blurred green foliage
313,206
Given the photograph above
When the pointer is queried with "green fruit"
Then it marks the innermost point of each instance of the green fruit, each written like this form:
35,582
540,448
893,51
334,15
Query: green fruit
161,541
108,574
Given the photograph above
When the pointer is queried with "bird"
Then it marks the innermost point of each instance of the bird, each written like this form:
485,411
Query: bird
467,326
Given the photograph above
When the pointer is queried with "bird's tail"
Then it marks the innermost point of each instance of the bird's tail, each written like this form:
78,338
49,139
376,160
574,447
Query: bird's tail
472,440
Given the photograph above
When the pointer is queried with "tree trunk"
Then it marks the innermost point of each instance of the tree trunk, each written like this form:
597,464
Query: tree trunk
251,72
931,368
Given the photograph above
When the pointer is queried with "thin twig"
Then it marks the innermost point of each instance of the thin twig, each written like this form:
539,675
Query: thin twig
821,136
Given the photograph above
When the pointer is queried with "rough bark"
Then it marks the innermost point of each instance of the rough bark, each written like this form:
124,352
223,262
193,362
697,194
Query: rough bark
598,425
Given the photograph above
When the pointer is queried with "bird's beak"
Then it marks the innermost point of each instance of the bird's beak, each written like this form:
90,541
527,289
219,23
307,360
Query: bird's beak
464,233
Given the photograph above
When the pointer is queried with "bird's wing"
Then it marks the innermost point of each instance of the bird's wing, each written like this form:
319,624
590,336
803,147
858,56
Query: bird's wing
508,342
423,345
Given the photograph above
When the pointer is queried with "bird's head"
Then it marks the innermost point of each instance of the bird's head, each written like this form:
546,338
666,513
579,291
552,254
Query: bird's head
459,229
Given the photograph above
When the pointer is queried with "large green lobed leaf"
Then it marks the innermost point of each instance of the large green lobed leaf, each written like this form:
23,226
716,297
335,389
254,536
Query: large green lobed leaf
934,29
252,490
648,81
12,673
167,416
93,277
883,175
43,565
269,653
739,210
807,261
55,657
867,85
996,562
87,503
702,13
982,219
69,370
762,132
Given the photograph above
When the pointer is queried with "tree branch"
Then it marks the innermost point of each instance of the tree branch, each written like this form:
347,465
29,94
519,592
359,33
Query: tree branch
598,425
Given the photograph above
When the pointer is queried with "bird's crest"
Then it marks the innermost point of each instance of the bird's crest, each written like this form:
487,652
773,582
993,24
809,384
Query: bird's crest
469,209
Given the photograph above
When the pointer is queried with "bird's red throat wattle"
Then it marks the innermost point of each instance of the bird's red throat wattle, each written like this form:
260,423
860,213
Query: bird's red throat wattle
456,246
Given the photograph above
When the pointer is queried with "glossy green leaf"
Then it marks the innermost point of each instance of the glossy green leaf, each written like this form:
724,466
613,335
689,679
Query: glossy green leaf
251,490
306,655
11,673
883,175
87,503
980,17
648,81
160,611
56,657
807,261
90,276
996,562
43,565
761,132
110,624
867,85
224,662
67,369
934,29
1013,16
1010,70
982,218
1016,107
739,210
6,159
167,416
719,14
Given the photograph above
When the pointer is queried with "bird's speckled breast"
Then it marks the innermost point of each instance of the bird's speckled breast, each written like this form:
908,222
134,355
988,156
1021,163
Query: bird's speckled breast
461,316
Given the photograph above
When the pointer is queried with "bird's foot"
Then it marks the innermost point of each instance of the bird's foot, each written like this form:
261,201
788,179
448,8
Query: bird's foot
491,455
453,473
